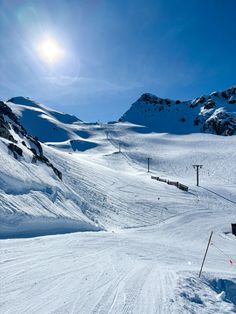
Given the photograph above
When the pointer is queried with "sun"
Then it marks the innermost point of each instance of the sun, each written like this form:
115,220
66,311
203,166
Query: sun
50,50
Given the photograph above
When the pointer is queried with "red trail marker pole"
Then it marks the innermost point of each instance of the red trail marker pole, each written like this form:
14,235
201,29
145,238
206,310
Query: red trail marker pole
208,244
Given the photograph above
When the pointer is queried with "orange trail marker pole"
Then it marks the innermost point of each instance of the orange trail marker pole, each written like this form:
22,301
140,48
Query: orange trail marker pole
208,244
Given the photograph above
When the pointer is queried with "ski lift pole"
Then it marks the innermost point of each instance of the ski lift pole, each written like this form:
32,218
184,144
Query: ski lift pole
148,161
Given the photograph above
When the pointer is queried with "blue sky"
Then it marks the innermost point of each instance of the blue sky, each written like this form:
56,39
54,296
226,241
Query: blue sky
116,50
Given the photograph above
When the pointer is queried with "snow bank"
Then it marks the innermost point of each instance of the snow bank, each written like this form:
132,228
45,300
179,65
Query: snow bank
209,295
24,226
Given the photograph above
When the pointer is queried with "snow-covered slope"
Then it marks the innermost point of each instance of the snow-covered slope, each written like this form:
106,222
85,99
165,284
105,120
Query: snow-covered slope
214,113
147,257
33,197
93,167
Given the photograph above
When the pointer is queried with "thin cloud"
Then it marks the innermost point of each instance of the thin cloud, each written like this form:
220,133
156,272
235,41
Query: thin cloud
87,84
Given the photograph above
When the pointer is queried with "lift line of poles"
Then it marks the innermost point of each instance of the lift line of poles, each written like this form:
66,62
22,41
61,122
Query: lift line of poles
197,167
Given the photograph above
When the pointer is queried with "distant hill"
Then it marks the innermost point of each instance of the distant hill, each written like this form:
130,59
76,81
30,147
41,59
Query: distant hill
214,113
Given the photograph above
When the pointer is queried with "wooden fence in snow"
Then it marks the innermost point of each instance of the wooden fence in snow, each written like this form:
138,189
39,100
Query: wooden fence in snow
175,183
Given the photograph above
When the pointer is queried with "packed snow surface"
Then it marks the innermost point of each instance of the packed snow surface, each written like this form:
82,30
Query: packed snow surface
148,238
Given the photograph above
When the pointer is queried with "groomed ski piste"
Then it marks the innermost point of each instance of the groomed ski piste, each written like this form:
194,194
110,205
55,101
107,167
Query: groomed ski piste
108,238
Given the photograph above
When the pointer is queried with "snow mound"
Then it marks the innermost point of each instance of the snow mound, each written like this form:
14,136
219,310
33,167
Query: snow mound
214,113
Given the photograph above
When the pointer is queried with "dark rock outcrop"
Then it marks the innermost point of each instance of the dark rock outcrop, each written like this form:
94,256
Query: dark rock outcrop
16,150
45,160
221,123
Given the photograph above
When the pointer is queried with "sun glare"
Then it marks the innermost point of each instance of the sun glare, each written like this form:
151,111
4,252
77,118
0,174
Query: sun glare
49,50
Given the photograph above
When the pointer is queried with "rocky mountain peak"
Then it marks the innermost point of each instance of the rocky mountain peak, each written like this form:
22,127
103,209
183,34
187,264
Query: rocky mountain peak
213,113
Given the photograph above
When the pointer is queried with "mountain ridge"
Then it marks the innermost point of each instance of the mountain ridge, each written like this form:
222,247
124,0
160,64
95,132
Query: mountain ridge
214,113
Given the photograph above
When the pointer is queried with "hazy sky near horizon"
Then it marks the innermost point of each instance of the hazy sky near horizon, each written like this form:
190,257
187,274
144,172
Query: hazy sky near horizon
113,51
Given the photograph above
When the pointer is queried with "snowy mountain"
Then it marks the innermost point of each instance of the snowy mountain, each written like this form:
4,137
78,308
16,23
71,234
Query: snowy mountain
55,128
214,113
47,124
146,238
